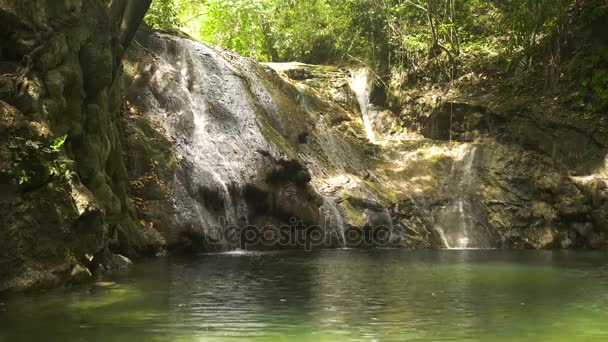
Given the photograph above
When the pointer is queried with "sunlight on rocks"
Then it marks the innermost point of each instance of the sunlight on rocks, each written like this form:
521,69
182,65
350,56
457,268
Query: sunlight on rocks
601,174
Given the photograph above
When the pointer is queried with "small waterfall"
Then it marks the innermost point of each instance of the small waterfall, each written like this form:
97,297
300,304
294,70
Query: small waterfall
333,222
205,104
236,128
456,222
362,87
444,239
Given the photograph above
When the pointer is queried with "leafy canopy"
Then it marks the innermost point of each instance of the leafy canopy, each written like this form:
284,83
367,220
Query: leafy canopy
428,40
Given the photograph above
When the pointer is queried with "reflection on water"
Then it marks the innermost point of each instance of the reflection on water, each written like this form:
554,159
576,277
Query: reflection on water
340,295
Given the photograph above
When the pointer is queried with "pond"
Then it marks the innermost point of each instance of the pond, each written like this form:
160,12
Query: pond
333,295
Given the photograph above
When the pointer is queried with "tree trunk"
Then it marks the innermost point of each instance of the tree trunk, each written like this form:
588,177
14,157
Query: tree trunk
127,15
60,77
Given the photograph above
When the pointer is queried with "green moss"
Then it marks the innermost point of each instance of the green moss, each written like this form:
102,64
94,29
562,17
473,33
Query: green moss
385,193
268,131
353,213
440,160
129,67
274,137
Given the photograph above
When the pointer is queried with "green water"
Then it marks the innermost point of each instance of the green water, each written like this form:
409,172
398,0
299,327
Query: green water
340,295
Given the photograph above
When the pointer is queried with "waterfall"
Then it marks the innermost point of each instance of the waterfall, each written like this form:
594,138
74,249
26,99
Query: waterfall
236,130
204,102
361,85
456,222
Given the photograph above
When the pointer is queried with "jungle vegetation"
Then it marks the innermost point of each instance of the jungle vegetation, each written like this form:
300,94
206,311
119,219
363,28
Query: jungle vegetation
562,44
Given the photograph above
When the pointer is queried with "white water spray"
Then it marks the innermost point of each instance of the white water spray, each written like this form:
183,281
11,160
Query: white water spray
361,86
455,221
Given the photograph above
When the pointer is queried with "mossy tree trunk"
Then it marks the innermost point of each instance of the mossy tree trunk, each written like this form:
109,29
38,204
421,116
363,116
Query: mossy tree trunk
60,66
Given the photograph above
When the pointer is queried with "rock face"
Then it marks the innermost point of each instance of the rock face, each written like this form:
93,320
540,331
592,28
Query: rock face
267,145
63,179
540,173
249,148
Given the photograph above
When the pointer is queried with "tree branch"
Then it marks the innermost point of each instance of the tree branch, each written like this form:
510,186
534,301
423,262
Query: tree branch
127,15
416,5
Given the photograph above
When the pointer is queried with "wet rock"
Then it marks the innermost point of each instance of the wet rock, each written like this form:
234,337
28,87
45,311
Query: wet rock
190,240
584,229
303,177
600,218
118,261
599,192
80,274
572,205
9,117
567,241
303,138
598,240
246,107
528,200
299,74
377,218
7,88
314,162
457,121
543,210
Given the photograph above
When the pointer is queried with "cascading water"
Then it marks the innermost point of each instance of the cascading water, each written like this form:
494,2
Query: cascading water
456,222
247,154
361,86
237,130
211,114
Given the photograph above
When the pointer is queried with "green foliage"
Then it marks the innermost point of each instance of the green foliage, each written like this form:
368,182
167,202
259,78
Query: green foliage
309,31
57,143
269,30
239,25
375,32
587,69
38,159
425,40
531,22
163,14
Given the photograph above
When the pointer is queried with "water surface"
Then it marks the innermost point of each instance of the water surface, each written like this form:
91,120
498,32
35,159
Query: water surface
338,295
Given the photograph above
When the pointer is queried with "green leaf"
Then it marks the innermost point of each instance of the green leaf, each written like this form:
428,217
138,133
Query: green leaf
33,144
58,143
